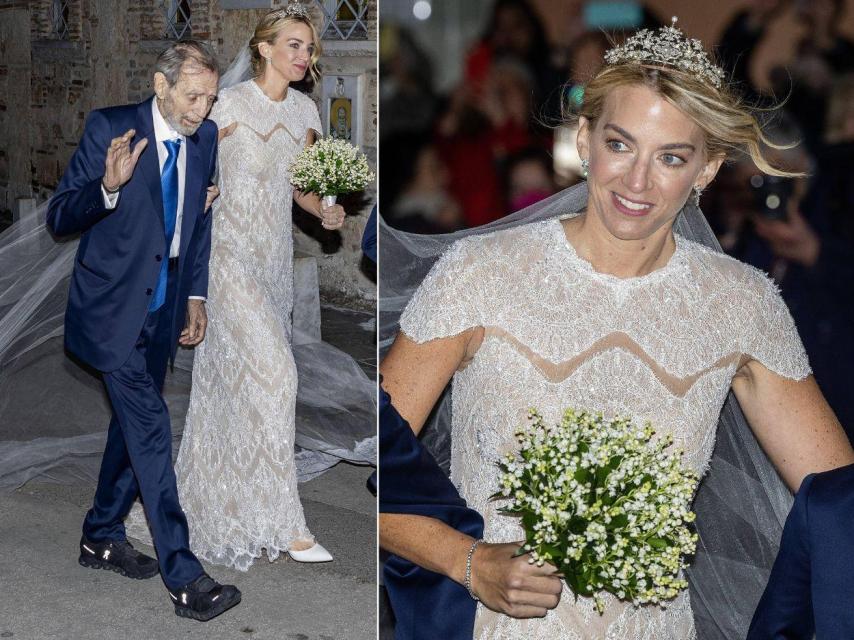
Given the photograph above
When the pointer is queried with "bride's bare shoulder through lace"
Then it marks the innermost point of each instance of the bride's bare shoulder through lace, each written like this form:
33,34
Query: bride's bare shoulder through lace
236,472
662,347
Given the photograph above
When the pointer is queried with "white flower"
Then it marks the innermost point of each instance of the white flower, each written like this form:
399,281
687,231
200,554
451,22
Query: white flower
330,167
607,501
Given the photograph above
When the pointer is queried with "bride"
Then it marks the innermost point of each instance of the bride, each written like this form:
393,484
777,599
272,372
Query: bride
595,302
235,469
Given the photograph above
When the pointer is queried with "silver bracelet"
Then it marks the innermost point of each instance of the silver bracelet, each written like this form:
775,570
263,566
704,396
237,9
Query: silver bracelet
467,581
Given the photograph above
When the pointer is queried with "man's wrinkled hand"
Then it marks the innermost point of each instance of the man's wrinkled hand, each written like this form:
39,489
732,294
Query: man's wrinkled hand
197,324
121,161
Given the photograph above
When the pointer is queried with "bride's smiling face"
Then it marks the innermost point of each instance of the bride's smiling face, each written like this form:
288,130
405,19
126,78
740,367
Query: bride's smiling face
290,54
645,157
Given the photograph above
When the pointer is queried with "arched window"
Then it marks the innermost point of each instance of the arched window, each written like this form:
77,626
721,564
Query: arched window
344,19
178,16
59,18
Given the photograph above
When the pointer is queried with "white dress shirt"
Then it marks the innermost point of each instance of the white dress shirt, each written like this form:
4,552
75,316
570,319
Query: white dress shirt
164,131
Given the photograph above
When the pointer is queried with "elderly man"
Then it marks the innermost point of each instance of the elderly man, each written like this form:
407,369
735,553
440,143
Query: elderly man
138,191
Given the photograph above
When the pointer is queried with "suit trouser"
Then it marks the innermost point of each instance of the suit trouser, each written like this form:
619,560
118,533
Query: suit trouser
138,456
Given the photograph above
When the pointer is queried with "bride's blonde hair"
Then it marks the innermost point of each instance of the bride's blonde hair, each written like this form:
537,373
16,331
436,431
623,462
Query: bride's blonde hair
729,126
268,30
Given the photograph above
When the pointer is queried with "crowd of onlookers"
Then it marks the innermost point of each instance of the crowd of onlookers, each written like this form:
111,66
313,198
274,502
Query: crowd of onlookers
800,231
487,148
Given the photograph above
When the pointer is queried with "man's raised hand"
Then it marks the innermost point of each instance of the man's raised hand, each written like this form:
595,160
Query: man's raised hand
121,161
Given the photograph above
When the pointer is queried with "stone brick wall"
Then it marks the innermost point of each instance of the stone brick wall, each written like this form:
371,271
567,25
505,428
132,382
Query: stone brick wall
48,86
15,73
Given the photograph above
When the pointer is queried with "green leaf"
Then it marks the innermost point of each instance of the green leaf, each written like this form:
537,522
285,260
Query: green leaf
577,525
552,550
572,579
657,543
620,521
528,521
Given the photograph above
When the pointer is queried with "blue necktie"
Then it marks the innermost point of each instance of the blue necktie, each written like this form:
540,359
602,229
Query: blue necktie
169,187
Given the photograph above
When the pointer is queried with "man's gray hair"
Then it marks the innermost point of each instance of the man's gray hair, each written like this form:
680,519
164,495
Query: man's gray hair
171,61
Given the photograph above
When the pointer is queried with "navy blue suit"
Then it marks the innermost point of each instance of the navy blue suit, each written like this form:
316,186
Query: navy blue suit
811,588
108,324
426,605
369,237
118,260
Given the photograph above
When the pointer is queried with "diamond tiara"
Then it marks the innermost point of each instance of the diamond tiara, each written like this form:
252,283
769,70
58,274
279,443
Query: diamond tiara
667,46
295,9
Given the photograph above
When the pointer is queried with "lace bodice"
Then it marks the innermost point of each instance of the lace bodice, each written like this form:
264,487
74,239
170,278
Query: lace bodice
253,225
246,155
662,347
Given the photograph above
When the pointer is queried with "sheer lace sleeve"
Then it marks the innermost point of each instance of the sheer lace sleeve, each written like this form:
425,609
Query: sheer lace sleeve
775,342
447,302
307,110
221,112
313,117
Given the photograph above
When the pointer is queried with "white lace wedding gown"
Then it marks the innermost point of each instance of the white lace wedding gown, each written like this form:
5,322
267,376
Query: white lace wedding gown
662,347
236,475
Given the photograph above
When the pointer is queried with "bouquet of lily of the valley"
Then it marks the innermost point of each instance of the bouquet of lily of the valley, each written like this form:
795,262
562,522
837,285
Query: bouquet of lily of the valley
603,502
330,167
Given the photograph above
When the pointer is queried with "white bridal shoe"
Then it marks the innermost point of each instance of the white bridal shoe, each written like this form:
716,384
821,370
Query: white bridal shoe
313,554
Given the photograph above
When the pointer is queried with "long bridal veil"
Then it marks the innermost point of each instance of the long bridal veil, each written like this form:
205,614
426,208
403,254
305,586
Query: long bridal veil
54,412
741,504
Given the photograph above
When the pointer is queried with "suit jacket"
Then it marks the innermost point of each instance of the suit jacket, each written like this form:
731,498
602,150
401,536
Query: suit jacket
121,250
811,588
426,605
369,237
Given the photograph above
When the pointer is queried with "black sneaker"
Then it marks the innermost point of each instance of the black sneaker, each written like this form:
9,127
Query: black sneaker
204,598
118,556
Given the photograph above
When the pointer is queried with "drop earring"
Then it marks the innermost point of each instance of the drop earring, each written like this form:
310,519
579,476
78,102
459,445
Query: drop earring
585,168
695,195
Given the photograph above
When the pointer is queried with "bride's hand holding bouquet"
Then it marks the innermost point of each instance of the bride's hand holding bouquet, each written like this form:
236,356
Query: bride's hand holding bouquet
604,503
328,168
506,582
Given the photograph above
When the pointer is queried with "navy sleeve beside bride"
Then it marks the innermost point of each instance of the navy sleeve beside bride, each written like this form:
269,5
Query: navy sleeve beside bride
811,589
411,482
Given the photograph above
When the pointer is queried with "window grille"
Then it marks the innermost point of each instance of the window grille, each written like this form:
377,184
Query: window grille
59,18
344,19
178,19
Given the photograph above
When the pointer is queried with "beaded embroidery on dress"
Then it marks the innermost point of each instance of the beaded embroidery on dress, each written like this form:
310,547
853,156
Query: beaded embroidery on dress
662,347
236,474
